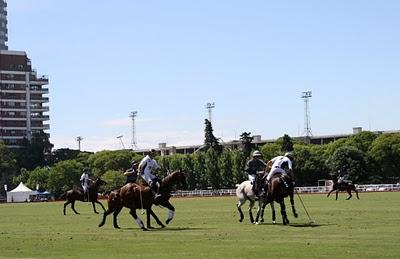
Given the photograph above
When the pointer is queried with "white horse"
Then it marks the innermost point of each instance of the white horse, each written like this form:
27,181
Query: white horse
244,192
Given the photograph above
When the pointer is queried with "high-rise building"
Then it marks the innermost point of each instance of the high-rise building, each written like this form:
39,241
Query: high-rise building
22,93
3,25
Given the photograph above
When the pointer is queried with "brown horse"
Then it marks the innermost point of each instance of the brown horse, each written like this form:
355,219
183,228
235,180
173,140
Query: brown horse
279,187
344,186
135,196
77,195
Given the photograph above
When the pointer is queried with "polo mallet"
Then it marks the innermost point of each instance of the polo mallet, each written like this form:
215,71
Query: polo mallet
310,221
140,195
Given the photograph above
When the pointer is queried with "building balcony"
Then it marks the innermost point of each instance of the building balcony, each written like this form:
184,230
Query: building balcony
39,90
13,128
44,127
40,108
40,100
5,118
40,118
42,80
12,99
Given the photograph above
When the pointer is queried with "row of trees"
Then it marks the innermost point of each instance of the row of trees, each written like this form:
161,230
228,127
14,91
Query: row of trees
366,157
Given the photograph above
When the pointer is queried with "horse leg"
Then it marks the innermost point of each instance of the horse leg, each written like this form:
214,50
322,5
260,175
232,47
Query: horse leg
137,219
73,207
337,191
65,205
96,201
110,210
260,210
350,195
250,212
239,207
355,190
155,218
329,193
115,216
171,212
292,203
273,212
94,207
285,220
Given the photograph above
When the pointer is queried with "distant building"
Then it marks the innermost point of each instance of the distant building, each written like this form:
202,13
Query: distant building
22,93
3,25
257,142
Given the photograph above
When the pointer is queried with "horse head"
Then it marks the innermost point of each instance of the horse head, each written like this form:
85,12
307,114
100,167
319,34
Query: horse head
99,182
177,177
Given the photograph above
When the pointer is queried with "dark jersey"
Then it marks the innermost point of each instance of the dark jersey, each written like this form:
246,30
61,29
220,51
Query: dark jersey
255,165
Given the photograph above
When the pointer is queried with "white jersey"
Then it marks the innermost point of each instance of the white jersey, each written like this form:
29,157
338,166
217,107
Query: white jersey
278,161
146,167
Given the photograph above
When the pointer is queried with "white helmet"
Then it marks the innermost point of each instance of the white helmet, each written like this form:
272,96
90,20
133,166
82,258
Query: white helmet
257,153
289,155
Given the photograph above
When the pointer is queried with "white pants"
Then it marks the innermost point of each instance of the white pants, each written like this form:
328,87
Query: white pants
148,177
274,171
85,187
252,178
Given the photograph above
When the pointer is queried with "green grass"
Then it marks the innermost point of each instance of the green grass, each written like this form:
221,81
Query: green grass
208,228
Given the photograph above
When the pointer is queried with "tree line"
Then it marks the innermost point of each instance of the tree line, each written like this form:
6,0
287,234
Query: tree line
366,157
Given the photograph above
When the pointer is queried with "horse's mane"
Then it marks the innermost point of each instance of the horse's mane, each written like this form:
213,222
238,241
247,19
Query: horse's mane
167,180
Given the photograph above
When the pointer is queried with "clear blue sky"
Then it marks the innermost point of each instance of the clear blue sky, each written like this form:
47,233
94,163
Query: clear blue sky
167,59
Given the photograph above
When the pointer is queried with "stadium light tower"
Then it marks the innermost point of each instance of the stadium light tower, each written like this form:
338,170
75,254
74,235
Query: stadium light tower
79,139
307,124
133,116
209,107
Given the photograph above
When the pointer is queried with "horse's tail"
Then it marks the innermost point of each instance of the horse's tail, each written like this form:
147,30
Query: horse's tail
237,185
63,196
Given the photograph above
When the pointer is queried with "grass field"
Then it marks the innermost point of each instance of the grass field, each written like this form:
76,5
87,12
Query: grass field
208,228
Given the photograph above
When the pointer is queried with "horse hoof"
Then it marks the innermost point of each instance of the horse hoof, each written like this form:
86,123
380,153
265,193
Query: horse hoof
168,221
262,220
96,212
162,226
274,222
296,215
144,229
117,227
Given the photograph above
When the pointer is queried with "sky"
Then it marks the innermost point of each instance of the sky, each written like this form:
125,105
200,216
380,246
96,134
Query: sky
168,59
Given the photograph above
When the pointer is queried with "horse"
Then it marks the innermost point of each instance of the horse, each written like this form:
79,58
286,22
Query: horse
244,192
78,195
279,187
136,196
344,186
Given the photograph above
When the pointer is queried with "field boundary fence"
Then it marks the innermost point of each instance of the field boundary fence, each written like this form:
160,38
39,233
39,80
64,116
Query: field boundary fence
307,189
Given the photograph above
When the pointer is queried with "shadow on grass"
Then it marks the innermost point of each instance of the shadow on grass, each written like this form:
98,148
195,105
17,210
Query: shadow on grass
168,229
297,225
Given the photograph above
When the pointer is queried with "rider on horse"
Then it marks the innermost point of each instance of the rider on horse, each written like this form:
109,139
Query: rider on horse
132,173
342,178
85,183
146,169
279,164
253,166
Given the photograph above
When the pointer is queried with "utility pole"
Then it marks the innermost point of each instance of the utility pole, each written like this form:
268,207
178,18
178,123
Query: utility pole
122,143
307,124
79,139
133,115
209,107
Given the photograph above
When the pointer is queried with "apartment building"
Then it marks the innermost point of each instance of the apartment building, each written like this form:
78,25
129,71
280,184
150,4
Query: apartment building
22,98
3,25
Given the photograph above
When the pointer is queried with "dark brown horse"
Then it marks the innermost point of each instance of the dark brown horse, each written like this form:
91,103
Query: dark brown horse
279,187
77,194
343,186
135,196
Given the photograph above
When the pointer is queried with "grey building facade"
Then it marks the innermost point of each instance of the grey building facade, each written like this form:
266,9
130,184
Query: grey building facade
3,25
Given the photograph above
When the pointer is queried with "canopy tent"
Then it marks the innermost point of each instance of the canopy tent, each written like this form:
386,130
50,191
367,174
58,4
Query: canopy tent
20,194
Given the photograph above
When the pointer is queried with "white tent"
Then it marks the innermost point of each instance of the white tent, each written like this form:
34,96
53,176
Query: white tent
20,194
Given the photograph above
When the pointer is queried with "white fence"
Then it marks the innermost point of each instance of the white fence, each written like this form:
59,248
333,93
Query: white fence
309,189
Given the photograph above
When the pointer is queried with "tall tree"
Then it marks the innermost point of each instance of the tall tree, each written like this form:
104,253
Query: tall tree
246,140
287,143
210,141
8,165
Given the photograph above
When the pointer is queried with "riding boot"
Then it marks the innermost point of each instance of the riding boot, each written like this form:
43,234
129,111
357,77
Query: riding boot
154,190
